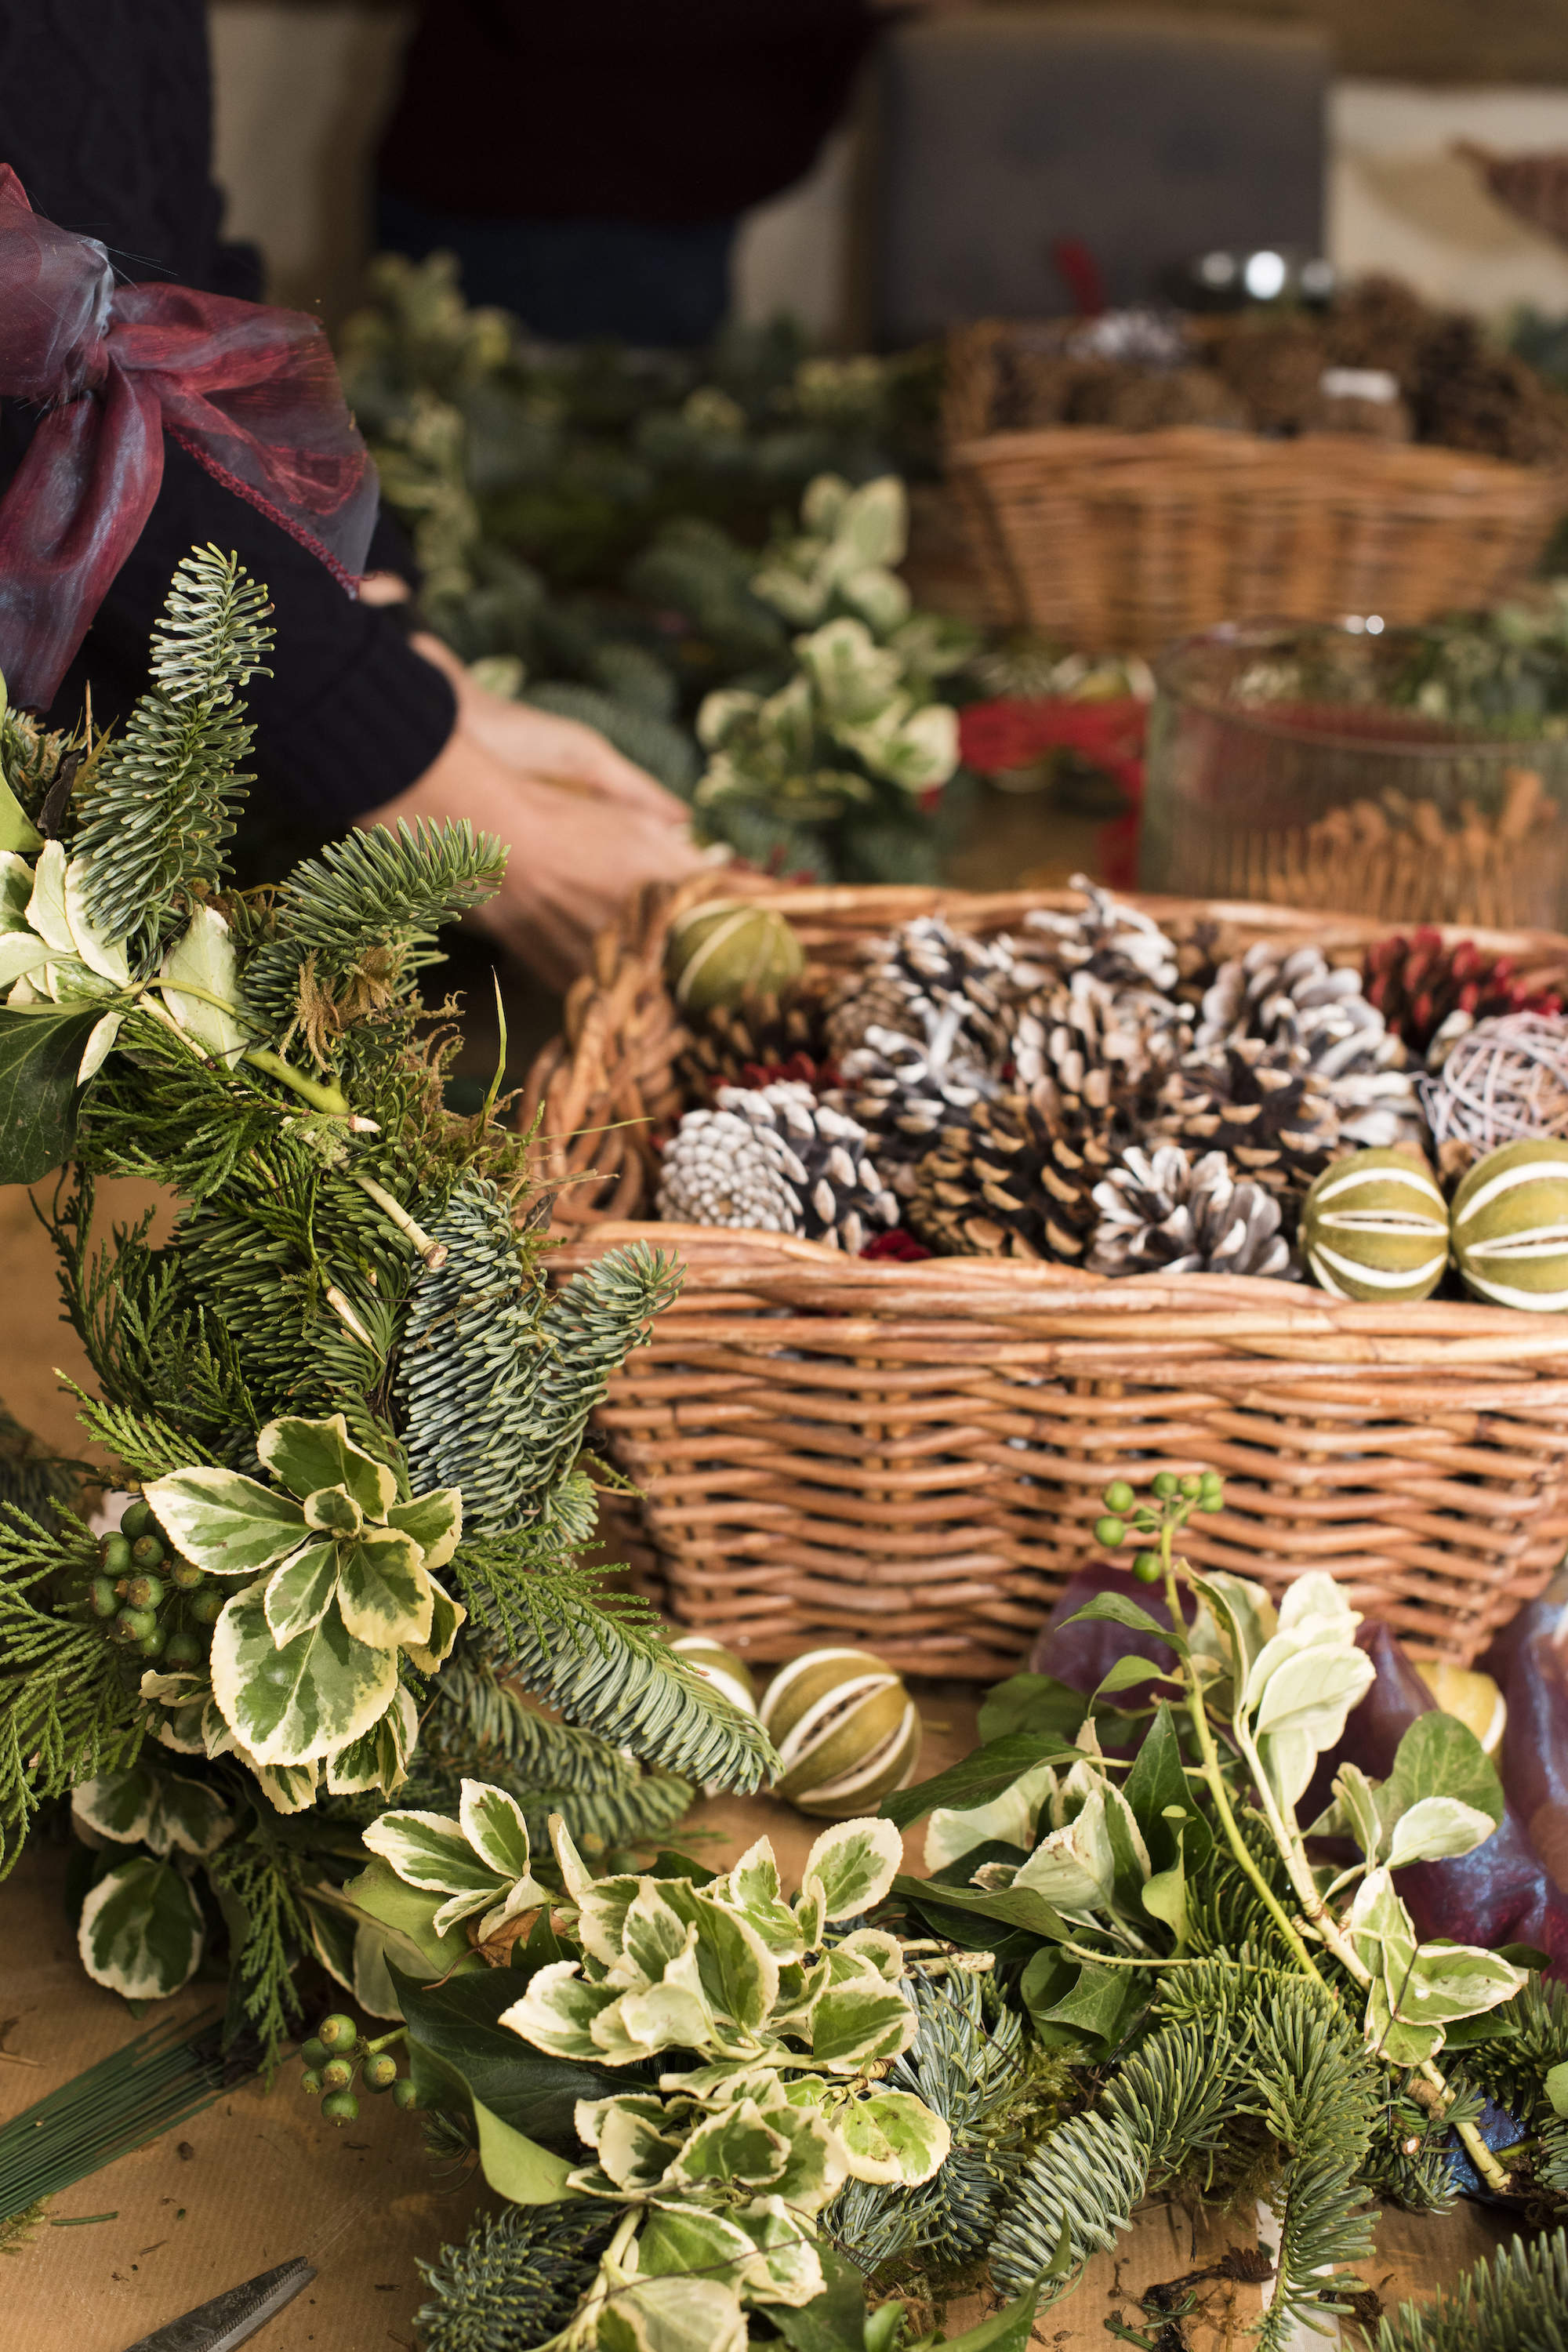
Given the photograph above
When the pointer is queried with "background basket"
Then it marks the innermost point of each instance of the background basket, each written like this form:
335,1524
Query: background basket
1119,540
912,1455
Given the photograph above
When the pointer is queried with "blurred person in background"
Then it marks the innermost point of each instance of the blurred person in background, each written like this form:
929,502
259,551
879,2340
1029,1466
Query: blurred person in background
588,161
106,117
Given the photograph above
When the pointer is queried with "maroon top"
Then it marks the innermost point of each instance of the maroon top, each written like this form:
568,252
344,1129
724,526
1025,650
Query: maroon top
672,111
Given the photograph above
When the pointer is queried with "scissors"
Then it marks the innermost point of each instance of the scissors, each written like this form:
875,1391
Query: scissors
232,2318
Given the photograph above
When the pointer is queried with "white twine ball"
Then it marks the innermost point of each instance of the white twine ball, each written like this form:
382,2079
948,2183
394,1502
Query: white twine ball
1504,1080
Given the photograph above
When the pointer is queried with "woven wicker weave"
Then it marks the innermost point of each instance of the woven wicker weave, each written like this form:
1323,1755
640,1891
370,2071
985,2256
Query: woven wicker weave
1105,538
912,1455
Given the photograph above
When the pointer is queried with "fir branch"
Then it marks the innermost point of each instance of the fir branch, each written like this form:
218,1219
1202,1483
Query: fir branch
32,1479
65,1711
478,1727
515,2280
164,795
586,1653
1320,2090
1516,2303
472,1359
591,1326
1530,2036
351,928
967,2065
1167,2102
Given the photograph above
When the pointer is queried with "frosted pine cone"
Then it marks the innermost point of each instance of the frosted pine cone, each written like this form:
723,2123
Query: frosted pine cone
1164,1212
774,1160
1116,943
1270,1116
764,1033
903,1092
907,982
1017,1179
1318,1010
1090,1040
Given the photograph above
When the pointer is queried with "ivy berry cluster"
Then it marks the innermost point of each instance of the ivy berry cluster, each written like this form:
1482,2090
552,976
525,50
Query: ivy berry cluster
335,2054
154,1601
1176,1498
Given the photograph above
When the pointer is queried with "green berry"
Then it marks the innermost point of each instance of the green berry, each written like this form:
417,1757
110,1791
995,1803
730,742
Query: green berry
380,2071
102,1598
1211,1501
340,2106
135,1520
115,1553
1118,1496
310,2083
404,2094
147,1552
1146,1567
337,2073
185,1575
206,1606
1192,1486
135,1624
338,2033
154,1644
144,1591
182,1649
314,2053
1166,1485
1109,1531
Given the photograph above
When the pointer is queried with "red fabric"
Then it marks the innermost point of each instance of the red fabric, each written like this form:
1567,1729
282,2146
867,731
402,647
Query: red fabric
251,392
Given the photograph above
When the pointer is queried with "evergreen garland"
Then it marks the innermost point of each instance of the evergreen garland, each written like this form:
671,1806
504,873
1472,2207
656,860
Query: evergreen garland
163,797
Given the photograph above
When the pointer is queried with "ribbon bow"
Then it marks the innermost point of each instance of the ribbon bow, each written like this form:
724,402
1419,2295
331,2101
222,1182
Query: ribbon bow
249,390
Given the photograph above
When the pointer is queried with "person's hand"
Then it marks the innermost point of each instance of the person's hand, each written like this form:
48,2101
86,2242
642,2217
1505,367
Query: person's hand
538,743
575,856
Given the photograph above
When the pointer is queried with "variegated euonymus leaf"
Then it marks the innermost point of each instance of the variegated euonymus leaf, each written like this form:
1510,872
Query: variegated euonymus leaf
481,1861
304,1662
153,1807
141,1929
1418,1990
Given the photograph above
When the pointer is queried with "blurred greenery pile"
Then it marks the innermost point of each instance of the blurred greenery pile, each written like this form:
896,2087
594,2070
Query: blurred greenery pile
589,519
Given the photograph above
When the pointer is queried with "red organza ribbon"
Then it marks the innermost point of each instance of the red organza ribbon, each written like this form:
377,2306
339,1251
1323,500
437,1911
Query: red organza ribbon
249,390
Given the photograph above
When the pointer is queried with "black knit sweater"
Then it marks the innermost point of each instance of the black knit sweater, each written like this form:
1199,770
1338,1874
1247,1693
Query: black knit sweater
106,117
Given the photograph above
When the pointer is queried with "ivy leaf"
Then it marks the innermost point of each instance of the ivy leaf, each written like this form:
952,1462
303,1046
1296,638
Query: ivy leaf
40,1054
517,2166
1035,1703
1156,1789
141,1930
1115,1609
989,1772
1012,1906
1441,1756
1098,2007
1437,1829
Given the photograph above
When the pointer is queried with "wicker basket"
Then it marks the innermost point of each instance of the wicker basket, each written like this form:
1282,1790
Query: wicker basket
912,1455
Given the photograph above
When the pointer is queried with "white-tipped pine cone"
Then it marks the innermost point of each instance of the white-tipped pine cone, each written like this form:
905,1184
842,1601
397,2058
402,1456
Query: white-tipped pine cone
1161,1211
903,1092
776,1160
908,982
1319,1012
1115,943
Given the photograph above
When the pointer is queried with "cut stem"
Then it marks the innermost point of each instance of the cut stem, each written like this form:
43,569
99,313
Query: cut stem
433,1252
319,1098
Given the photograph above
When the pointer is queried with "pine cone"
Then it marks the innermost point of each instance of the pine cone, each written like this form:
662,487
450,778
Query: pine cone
1430,993
902,1093
1270,1116
732,1044
1017,1179
906,984
1094,1042
1299,1001
1164,1212
1201,947
773,1160
1114,942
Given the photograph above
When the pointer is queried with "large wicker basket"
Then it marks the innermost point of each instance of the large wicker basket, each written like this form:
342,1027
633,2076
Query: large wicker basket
911,1455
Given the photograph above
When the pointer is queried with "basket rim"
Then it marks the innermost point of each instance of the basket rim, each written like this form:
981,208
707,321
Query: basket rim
1257,1311
1301,454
